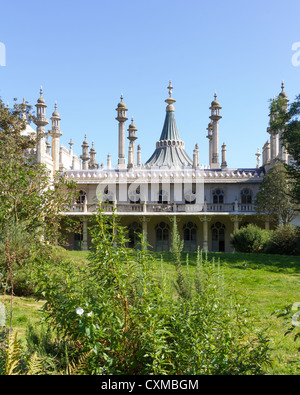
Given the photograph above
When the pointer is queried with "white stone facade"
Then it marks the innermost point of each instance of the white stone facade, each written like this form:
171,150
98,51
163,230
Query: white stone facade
208,202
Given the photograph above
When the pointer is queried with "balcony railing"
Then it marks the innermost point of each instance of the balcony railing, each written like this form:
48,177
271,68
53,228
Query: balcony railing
164,208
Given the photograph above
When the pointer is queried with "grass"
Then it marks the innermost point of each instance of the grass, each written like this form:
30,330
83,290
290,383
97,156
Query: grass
264,283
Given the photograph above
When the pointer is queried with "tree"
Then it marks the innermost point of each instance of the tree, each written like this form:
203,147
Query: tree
274,197
27,193
287,120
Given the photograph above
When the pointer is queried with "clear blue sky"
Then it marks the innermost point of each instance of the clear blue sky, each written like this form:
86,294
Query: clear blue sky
85,53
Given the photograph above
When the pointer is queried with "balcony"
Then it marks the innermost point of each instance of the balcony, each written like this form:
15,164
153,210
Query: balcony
160,208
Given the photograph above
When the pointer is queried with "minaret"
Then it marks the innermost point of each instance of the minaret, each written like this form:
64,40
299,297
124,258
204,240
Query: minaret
224,163
85,154
139,156
108,162
196,157
131,137
55,133
215,117
273,137
121,118
209,136
93,164
283,155
41,122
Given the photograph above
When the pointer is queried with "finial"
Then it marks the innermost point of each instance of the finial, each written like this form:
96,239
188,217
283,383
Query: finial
55,105
41,90
282,86
121,96
170,87
170,100
71,143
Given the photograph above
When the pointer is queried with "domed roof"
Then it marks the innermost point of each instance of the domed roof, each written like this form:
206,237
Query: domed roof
282,93
215,103
41,100
132,125
122,105
55,113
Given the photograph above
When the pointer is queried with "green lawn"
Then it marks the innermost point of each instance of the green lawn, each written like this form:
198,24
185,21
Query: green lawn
265,283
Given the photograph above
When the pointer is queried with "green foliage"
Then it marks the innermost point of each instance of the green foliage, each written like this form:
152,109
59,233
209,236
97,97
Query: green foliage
287,120
125,320
284,240
249,239
28,195
274,198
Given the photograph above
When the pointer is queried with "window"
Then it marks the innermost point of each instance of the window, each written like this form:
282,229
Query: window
246,196
218,237
162,236
218,196
108,195
163,197
133,235
81,197
190,195
77,241
134,195
190,236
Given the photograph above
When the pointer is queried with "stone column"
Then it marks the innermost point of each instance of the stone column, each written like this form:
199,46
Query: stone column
236,220
267,224
145,221
84,234
205,220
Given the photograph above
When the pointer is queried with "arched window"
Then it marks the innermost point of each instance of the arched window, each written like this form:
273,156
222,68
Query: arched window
218,196
218,237
190,236
133,235
246,196
162,232
81,197
108,195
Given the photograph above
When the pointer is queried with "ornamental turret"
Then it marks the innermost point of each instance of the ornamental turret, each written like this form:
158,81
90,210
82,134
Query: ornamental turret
121,118
55,133
282,152
93,164
131,137
41,121
85,157
215,117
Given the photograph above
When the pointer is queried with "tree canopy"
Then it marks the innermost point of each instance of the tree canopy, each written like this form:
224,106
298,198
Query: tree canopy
287,120
275,195
27,192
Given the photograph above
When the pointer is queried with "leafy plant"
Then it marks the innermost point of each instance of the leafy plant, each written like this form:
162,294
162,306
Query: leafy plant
249,239
125,320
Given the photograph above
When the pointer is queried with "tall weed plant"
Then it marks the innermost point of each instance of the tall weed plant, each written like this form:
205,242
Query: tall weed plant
123,317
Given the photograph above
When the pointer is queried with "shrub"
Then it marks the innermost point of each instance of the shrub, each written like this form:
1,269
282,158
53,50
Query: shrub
126,319
284,240
249,239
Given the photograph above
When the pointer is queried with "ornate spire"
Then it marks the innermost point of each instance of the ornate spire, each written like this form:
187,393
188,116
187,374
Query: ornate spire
282,93
170,100
169,150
